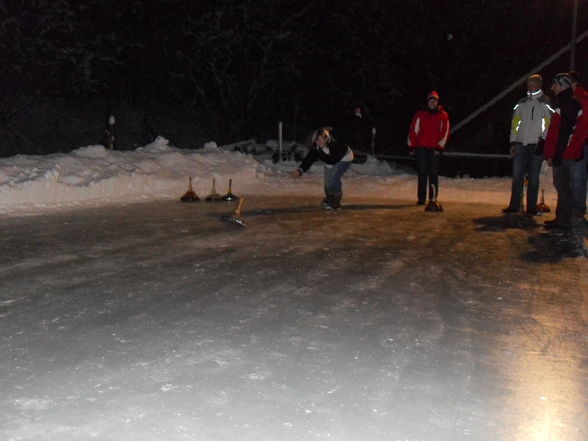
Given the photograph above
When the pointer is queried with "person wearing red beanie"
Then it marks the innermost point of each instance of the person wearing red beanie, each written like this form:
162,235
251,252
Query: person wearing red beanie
427,137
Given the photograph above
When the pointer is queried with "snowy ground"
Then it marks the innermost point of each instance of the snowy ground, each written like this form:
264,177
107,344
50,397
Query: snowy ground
94,176
159,321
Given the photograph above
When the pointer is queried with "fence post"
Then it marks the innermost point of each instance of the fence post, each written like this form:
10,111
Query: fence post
110,133
280,140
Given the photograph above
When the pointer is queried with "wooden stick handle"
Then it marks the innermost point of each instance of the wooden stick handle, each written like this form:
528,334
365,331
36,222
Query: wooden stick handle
239,207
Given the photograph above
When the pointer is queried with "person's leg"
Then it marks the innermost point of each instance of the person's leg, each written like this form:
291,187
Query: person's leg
533,171
562,181
579,176
335,184
435,158
327,201
518,176
422,158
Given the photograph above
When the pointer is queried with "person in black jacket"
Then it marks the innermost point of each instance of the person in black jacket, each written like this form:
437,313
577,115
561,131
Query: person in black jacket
337,158
356,129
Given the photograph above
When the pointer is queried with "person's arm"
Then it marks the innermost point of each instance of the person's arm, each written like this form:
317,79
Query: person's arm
552,136
547,113
414,131
444,132
307,162
515,123
578,137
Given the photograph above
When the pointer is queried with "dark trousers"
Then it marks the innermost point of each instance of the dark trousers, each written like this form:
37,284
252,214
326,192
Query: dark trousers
579,177
428,170
525,162
562,181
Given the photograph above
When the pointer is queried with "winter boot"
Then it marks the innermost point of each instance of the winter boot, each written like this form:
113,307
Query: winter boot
336,201
326,200
434,206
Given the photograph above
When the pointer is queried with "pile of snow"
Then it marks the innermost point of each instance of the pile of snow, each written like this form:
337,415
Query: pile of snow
93,175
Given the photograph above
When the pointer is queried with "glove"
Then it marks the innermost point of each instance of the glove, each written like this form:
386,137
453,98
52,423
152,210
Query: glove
540,147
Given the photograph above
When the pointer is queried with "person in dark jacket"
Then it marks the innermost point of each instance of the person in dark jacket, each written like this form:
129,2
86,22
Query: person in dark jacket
356,129
563,146
337,158
427,137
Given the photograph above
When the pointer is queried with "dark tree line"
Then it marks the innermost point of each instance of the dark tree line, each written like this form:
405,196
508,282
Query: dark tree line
241,66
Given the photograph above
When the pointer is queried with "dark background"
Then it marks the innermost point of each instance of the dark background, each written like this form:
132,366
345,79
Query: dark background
194,71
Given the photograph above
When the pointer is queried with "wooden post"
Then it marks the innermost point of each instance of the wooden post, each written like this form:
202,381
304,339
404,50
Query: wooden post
280,140
110,141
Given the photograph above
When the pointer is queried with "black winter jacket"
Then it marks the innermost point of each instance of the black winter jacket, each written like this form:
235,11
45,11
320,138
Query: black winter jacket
332,153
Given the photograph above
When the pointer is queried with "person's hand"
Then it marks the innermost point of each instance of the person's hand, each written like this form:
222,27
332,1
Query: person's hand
296,173
411,152
550,162
512,148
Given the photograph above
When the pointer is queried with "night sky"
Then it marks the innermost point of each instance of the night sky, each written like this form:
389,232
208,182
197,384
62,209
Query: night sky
244,65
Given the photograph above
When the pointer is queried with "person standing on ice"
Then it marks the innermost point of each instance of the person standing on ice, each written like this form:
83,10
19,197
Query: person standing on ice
530,120
580,172
563,147
337,158
427,137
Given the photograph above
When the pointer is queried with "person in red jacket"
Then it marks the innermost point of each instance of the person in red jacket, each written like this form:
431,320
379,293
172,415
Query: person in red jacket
563,147
580,171
427,137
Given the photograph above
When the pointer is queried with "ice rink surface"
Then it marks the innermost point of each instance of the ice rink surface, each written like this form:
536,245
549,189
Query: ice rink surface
160,321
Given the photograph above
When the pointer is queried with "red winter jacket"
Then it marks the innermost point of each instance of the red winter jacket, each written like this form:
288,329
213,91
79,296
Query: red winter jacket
582,96
429,129
567,131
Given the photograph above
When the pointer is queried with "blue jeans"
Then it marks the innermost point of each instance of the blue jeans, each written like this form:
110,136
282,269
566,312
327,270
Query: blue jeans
333,176
579,176
525,162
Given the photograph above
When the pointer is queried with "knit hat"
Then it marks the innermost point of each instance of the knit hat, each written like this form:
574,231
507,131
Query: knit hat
563,79
535,78
433,95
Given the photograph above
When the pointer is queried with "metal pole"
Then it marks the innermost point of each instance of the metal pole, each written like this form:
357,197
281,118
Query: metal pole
510,88
573,43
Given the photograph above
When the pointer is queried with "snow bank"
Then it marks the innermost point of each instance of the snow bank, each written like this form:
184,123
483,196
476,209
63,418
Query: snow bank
93,175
